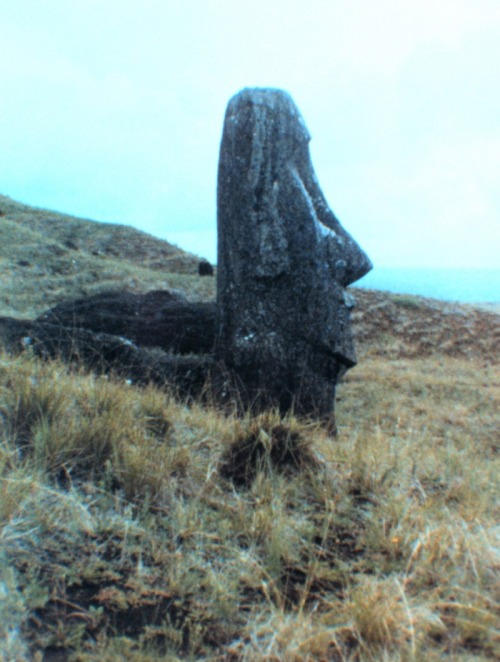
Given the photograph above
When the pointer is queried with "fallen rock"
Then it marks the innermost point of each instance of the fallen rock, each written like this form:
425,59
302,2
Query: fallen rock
155,319
205,268
106,353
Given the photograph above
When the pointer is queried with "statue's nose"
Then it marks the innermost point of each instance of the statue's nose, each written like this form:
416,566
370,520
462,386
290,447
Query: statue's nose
346,259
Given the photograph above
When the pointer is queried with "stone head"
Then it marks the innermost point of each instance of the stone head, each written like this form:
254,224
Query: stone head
284,258
272,176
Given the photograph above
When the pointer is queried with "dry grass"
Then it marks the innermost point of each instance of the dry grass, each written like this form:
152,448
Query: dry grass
133,527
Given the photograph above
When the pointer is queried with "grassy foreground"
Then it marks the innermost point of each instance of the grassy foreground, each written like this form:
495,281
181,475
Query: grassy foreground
134,527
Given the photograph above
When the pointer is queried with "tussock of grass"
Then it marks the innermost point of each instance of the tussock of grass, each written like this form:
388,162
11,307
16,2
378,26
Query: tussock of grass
266,444
135,527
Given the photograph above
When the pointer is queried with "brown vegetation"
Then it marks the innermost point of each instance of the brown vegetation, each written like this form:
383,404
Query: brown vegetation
136,527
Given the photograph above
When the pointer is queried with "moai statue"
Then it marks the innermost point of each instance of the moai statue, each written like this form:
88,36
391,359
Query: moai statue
284,261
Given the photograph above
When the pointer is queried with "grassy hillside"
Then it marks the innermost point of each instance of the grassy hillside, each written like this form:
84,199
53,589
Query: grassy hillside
135,527
46,257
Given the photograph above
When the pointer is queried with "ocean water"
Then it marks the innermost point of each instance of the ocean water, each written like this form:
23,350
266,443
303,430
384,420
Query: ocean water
464,285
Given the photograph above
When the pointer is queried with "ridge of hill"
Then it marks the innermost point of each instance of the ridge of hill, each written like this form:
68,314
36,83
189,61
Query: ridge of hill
47,256
70,233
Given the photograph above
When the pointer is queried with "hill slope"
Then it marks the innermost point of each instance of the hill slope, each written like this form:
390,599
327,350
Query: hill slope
46,257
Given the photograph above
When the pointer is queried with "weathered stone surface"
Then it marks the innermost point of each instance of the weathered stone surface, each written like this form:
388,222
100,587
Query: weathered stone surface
155,319
205,268
106,353
284,261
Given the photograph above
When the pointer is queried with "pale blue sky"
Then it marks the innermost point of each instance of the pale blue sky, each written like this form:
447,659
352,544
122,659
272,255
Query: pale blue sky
113,110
